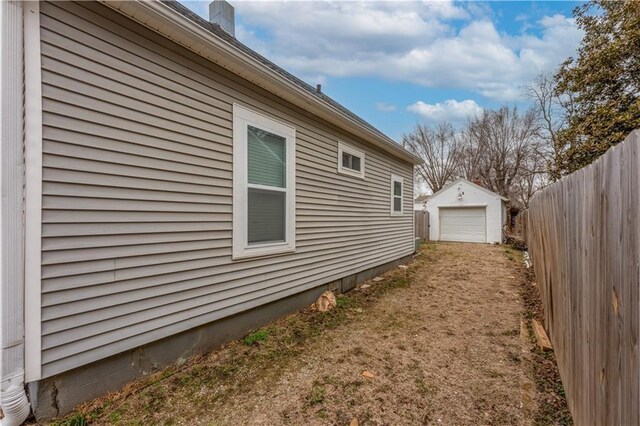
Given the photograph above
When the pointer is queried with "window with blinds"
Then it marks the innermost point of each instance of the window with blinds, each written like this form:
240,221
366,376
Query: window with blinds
264,197
267,186
396,195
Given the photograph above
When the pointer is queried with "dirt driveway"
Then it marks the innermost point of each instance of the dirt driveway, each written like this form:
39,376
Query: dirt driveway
438,343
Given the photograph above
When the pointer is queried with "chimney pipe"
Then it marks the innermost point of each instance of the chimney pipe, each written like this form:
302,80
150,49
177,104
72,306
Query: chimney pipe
319,88
222,13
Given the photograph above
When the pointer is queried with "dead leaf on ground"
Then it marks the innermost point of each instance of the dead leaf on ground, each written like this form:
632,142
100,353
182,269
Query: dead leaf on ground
354,422
368,374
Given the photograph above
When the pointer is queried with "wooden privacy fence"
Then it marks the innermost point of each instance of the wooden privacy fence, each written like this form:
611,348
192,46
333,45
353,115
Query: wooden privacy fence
583,238
422,224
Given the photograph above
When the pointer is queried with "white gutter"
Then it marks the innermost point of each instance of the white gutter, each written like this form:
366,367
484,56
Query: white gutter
13,399
182,30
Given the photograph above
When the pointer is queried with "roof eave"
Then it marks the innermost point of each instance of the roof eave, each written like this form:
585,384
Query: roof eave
171,24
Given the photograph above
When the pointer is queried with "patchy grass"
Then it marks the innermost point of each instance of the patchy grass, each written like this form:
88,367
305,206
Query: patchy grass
552,408
230,371
512,332
115,417
321,414
318,394
344,301
255,337
511,253
514,358
423,387
73,420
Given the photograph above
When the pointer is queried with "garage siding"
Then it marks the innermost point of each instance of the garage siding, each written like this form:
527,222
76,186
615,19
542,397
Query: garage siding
463,194
137,192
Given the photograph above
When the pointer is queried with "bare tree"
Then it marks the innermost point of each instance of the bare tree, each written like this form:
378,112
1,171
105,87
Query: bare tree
439,148
533,177
501,149
553,112
497,147
471,153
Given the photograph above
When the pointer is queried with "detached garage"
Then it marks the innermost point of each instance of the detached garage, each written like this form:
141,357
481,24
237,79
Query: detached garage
466,212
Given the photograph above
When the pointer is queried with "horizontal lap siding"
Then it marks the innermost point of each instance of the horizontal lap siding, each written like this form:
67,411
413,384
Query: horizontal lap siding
137,193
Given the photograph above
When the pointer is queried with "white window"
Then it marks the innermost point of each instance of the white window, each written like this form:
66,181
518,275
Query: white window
263,185
350,160
397,187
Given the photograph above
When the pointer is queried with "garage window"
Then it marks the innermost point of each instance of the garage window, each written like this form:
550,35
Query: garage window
263,185
396,195
350,161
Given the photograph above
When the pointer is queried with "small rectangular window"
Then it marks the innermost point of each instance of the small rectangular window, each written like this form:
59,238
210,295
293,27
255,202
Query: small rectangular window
263,185
350,161
396,195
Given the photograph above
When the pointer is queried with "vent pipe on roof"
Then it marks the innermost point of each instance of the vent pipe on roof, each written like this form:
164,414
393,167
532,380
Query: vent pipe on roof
222,13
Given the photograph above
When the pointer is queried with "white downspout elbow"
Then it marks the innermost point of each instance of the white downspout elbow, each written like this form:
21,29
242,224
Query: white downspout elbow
14,402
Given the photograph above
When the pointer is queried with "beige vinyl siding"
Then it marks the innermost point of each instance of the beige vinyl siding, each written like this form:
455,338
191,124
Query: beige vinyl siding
137,192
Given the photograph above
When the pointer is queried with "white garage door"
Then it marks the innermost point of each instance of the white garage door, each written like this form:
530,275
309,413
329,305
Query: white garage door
463,224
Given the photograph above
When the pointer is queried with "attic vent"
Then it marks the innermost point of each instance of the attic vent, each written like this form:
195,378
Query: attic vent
222,13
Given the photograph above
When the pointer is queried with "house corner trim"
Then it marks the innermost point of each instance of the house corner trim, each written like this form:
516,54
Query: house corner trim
33,190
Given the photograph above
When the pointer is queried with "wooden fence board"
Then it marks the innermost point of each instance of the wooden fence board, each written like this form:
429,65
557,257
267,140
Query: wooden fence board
422,224
583,235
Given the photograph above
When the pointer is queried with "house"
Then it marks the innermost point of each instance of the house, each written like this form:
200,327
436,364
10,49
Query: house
420,202
179,191
465,211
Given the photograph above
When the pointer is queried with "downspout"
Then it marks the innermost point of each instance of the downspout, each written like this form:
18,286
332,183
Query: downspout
13,398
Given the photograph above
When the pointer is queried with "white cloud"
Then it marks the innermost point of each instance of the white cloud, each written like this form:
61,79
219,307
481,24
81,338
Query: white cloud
416,42
555,21
342,30
449,110
385,107
447,10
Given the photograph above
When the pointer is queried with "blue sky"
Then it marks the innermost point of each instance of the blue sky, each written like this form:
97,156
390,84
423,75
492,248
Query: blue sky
396,63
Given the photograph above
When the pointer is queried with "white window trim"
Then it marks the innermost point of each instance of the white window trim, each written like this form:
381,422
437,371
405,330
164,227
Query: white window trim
395,178
243,117
343,147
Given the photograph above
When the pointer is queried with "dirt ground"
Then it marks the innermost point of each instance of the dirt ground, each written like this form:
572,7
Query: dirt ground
440,342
